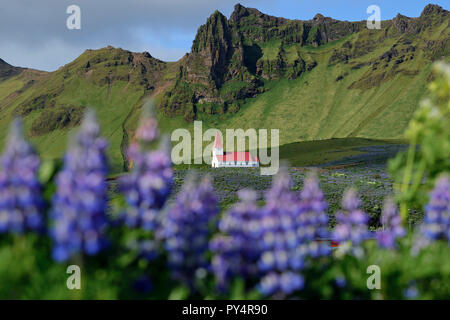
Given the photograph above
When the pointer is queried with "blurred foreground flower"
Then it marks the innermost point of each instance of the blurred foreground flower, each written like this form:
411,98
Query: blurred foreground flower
352,222
147,188
148,185
20,191
282,240
436,224
416,170
147,130
237,252
80,201
185,229
313,219
392,225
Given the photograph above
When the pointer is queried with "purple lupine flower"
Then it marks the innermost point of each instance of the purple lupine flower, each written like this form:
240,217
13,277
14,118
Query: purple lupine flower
287,282
148,129
21,201
237,252
282,239
411,292
185,229
80,201
436,224
269,284
313,219
352,222
226,261
147,187
340,281
392,225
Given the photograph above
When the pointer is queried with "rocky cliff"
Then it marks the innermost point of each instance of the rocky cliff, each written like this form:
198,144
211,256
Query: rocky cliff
231,58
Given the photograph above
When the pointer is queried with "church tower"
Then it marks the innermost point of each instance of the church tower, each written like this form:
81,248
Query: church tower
218,146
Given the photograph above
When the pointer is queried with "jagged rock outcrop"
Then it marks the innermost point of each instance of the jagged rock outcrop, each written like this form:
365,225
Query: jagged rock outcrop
218,56
258,27
214,46
7,70
405,24
433,9
226,60
431,14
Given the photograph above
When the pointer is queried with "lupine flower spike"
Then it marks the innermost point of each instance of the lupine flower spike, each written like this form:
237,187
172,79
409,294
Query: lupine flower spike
148,185
80,201
392,225
437,211
313,219
283,252
21,203
185,229
238,250
352,222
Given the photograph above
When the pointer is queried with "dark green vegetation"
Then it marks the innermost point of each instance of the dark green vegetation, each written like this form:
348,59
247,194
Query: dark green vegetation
336,151
314,80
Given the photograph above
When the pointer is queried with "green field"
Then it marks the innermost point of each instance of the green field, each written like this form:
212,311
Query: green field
313,153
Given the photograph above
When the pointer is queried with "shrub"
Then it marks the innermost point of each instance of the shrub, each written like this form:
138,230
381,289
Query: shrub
428,133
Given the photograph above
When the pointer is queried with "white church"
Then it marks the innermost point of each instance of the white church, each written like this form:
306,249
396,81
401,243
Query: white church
231,159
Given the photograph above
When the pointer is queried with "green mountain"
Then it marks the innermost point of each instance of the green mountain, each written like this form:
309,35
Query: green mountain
314,79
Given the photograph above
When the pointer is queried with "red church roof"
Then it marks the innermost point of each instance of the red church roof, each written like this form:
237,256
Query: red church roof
237,156
218,142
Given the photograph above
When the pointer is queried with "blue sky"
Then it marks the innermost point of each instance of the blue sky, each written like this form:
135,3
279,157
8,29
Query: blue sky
34,33
351,10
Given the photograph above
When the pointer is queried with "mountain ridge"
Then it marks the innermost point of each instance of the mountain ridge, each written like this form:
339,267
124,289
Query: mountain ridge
314,79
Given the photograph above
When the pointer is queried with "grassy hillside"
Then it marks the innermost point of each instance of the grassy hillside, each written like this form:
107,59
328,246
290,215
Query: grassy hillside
312,80
103,80
317,106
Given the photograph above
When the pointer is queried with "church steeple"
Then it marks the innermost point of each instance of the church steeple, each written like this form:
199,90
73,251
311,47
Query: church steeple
218,146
